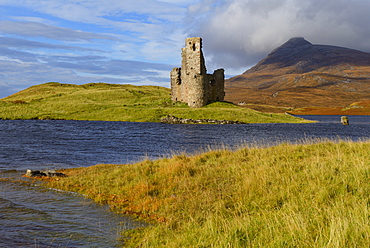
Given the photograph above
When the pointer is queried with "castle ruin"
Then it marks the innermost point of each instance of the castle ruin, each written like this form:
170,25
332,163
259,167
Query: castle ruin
191,83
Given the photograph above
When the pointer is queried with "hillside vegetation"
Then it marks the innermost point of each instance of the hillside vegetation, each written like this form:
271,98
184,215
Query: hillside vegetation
302,75
116,102
356,108
291,195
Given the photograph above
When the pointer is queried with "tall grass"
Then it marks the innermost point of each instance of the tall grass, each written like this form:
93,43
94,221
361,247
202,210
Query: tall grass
290,195
113,102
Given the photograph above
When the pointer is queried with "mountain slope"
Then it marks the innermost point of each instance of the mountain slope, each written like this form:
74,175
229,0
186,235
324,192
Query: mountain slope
299,74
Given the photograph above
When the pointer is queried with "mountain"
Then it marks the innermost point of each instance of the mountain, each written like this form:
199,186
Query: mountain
299,74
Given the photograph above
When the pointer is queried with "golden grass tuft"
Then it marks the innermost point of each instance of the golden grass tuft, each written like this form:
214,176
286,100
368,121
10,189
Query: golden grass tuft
314,194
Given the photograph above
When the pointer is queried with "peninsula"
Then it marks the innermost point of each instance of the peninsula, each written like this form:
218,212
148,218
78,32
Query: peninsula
117,102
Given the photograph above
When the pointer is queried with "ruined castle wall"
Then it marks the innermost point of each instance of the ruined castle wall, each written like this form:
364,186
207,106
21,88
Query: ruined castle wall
176,86
218,86
192,57
193,69
215,90
197,92
191,83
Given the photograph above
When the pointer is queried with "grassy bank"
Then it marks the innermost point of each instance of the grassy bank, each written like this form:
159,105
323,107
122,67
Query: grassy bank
115,102
356,108
304,195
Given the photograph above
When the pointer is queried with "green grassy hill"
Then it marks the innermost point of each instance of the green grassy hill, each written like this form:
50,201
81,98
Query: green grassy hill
116,102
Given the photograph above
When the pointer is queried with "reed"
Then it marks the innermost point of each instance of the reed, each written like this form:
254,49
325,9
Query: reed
312,194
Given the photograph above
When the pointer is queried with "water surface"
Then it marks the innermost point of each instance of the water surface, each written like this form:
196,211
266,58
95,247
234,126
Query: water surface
32,216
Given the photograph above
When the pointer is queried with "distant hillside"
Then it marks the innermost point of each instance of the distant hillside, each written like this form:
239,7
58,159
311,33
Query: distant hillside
116,102
356,108
299,74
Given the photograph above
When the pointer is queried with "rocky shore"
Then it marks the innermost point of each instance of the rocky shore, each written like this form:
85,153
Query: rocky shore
170,119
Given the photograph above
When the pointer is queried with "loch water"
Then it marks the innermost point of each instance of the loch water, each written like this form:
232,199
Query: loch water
32,216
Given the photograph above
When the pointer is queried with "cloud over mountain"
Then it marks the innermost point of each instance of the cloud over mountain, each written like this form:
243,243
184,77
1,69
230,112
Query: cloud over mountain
238,33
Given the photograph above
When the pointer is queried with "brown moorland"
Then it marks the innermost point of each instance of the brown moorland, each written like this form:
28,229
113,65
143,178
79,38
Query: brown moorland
301,78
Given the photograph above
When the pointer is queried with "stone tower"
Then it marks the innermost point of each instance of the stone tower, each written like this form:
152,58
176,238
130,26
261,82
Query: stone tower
191,83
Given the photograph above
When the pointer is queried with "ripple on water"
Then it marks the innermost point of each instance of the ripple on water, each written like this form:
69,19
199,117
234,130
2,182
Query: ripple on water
32,216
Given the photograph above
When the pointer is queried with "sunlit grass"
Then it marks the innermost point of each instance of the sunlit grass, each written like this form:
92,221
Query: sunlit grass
313,194
114,102
356,108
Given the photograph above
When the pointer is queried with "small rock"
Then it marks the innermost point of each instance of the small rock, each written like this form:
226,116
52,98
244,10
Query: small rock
344,120
44,173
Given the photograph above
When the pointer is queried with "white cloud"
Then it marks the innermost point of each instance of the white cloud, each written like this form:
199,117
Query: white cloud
83,70
22,44
112,41
35,29
33,19
238,33
99,12
137,23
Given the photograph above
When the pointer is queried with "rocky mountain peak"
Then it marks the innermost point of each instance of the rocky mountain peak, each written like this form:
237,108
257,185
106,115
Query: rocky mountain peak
302,56
294,46
295,42
287,54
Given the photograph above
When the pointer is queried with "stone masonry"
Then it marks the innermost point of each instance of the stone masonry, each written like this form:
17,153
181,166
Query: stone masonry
191,83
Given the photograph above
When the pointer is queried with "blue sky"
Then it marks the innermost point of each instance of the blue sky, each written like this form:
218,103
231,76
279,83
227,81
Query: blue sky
138,41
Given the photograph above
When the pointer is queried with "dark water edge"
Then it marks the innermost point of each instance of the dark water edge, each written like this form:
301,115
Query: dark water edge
32,216
335,119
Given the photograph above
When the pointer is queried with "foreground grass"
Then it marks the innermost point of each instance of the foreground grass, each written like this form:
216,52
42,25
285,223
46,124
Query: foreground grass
115,102
301,195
